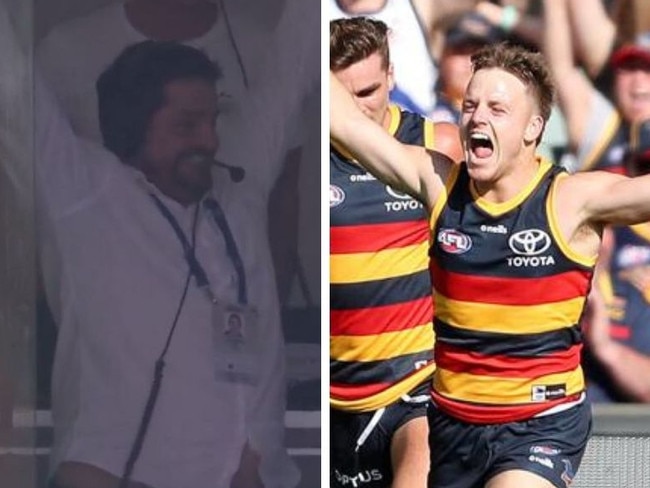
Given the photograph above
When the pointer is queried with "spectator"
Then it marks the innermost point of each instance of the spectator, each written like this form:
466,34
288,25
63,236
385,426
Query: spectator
599,27
598,129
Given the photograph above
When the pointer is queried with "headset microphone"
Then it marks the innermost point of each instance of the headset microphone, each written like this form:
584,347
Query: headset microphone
237,173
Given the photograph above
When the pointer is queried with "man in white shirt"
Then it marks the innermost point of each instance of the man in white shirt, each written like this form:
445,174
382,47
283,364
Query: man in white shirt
115,287
135,257
238,34
115,274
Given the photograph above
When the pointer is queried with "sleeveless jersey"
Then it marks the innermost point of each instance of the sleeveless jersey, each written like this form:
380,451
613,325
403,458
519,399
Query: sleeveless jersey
628,307
415,70
381,332
509,294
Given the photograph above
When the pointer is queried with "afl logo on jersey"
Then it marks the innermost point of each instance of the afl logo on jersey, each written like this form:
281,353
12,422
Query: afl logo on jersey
397,194
337,195
453,241
530,242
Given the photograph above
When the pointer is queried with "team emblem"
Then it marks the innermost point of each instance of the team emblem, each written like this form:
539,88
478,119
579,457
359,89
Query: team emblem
530,242
337,195
453,241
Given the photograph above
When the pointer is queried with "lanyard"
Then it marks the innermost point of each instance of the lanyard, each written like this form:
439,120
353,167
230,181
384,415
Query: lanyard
190,256
231,247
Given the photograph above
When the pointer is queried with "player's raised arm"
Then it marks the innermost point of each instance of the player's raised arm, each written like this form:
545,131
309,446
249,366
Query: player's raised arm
411,169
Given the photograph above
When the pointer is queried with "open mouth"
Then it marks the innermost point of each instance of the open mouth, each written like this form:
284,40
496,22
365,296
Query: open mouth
480,145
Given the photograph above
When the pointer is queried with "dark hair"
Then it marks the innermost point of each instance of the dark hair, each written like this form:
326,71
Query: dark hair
132,88
530,67
356,38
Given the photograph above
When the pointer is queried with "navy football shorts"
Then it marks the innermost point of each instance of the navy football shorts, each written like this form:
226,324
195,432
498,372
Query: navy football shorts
467,455
360,442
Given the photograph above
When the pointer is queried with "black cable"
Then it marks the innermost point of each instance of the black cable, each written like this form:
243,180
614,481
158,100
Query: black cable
231,36
147,413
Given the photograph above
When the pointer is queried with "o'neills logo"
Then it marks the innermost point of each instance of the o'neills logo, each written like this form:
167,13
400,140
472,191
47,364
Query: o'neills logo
337,195
453,241
528,245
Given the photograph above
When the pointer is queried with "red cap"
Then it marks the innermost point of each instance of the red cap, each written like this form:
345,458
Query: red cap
638,51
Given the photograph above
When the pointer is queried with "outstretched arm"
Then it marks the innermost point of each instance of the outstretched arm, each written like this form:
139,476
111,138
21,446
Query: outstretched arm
411,169
599,198
620,200
587,201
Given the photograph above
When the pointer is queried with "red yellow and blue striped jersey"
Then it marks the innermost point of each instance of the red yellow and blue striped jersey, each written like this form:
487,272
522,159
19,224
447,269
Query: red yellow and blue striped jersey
381,332
509,294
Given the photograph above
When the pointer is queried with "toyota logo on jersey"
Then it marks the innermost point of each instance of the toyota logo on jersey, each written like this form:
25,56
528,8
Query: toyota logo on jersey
397,194
530,242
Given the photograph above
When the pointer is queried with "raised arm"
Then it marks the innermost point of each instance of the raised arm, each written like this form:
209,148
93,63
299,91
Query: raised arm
575,91
594,33
411,169
56,169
